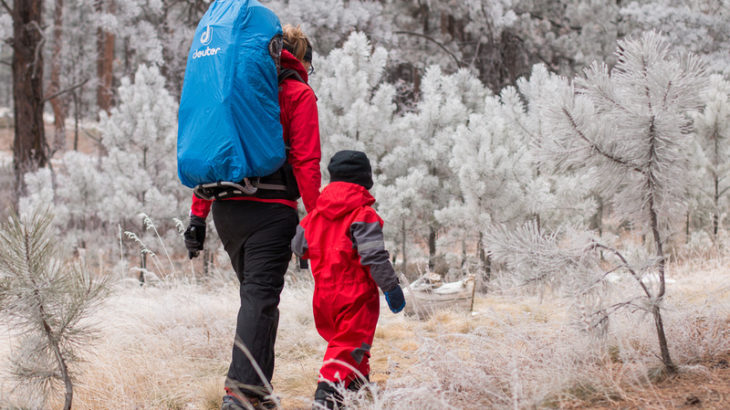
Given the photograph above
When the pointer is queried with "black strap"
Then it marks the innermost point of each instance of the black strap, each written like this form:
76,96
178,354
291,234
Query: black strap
290,73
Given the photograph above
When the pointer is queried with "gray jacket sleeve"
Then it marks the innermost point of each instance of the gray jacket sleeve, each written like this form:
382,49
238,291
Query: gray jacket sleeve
299,242
367,238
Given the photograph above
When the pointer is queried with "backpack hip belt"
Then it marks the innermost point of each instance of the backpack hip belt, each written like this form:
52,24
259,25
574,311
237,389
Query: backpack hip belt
225,190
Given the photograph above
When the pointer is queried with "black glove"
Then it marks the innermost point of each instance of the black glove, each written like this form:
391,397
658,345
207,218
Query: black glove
396,300
195,236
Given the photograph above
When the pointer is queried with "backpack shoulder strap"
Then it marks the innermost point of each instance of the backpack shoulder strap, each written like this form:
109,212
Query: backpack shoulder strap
289,73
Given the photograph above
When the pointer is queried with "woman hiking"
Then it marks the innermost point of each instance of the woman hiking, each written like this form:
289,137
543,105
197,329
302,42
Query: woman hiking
256,230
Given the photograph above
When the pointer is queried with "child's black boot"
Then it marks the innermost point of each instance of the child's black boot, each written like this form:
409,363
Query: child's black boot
358,383
327,397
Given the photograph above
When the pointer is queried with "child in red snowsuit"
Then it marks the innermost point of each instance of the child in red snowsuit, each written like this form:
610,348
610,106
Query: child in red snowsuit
343,239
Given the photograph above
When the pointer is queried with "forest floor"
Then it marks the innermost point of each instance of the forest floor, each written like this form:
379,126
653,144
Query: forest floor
706,389
166,345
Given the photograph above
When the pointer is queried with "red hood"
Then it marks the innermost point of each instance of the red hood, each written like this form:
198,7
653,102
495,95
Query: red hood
339,198
289,61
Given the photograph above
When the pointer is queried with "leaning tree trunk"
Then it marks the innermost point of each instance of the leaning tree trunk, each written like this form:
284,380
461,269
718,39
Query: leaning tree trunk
656,311
29,144
654,221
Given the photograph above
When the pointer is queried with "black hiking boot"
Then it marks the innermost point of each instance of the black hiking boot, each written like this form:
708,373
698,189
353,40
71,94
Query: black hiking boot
327,397
234,401
358,383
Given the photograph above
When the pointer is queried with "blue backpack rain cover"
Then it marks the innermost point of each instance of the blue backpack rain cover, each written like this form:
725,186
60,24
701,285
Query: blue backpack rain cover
228,123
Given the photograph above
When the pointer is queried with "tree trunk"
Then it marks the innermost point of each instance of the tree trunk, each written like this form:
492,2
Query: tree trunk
656,311
431,248
76,119
60,360
105,61
59,104
716,213
597,218
654,224
29,144
403,246
484,259
463,253
53,342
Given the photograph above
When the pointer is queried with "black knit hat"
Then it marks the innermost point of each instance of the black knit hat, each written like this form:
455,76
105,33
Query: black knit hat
351,166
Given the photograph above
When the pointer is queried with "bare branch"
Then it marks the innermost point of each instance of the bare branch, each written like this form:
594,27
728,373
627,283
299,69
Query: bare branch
625,264
66,90
92,137
459,63
604,314
599,280
38,48
537,278
555,24
6,7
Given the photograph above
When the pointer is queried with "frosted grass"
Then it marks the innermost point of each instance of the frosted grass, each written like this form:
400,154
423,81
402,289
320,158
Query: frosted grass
168,346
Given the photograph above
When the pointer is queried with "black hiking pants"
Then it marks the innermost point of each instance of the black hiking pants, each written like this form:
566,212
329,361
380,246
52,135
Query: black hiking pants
257,237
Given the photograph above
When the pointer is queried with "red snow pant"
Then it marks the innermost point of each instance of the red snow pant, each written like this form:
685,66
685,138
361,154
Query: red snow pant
346,313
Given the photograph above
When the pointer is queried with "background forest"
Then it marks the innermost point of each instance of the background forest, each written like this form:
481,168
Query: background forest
412,83
569,152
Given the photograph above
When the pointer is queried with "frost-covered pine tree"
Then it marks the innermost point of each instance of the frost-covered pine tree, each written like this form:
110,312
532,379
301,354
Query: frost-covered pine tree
628,128
138,175
712,130
329,22
355,105
552,197
401,203
77,194
699,26
140,135
502,181
427,142
44,302
489,159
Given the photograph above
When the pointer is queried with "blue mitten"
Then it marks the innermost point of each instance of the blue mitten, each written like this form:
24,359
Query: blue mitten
396,300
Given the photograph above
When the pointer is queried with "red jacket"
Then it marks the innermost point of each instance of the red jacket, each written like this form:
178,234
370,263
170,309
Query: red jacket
300,122
343,239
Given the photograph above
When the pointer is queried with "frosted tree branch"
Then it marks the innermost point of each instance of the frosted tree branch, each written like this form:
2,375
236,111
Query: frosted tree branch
624,264
458,62
593,146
